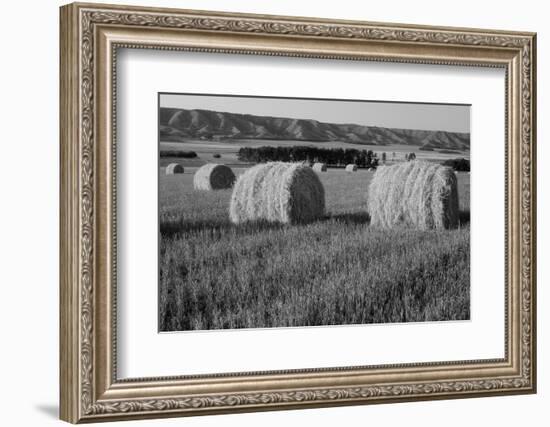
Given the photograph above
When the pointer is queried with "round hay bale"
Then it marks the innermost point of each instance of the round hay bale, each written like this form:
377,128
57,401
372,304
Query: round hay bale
351,168
173,168
320,167
213,177
414,194
288,193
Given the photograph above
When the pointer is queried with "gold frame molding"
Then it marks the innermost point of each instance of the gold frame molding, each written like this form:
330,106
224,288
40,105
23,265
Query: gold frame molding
90,36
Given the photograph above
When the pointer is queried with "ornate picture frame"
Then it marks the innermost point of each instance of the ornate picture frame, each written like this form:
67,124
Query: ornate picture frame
90,37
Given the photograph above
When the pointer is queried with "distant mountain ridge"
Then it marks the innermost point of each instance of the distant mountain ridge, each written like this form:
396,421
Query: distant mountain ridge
178,124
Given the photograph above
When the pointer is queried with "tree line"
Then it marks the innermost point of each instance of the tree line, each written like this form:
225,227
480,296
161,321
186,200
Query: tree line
177,153
330,156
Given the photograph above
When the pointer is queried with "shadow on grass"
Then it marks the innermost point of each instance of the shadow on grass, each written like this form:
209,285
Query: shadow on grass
355,218
172,228
175,227
463,218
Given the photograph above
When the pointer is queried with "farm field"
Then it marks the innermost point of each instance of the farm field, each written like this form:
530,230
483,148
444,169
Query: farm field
338,270
228,150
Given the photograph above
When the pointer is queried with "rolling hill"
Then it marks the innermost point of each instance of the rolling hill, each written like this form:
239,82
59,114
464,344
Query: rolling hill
182,124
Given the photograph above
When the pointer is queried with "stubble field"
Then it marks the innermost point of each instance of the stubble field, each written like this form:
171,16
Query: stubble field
339,270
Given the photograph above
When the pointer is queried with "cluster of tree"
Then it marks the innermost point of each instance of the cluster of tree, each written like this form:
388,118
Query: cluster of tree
461,165
408,157
174,153
330,156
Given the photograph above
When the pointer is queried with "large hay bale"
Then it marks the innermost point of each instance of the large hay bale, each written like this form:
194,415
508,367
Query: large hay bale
320,167
415,194
351,168
213,177
287,193
173,168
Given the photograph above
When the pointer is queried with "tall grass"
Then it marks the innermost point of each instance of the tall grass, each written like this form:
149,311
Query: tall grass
334,271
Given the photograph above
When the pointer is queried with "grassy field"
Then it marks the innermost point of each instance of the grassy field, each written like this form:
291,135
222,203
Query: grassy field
335,271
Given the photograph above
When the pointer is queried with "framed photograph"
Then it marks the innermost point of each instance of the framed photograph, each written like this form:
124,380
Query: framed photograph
266,212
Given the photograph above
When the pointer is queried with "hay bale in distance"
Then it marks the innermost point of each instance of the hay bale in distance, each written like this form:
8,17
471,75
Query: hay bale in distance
213,177
320,167
173,168
351,168
288,193
414,194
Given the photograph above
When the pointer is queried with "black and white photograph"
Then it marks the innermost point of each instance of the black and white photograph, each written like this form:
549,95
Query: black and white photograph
292,212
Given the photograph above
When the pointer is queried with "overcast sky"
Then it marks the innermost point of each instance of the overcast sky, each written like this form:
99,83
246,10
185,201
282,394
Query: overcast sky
448,117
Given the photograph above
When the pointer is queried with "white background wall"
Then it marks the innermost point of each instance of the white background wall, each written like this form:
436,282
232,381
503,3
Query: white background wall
29,170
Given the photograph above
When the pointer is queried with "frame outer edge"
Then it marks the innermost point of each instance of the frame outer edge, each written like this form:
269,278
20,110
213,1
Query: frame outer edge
304,19
77,339
533,207
68,227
